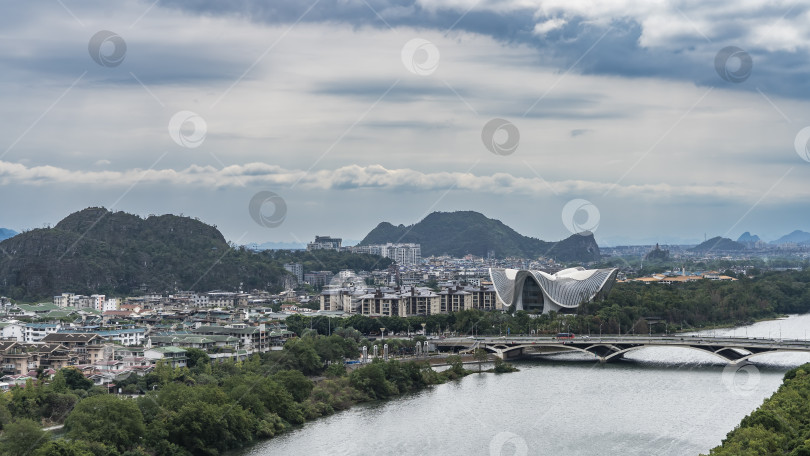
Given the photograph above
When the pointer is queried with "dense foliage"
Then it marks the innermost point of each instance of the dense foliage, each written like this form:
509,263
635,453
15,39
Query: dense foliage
780,426
718,244
466,232
329,260
115,253
211,407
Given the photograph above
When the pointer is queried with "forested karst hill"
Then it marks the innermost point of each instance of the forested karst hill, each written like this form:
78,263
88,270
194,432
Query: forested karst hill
468,232
718,244
98,251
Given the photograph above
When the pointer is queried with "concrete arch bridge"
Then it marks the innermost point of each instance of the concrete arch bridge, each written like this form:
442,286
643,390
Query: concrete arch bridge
612,348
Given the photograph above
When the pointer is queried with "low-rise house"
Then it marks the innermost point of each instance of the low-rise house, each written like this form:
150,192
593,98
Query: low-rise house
207,343
32,310
53,356
251,338
88,347
175,356
14,359
125,336
12,330
35,332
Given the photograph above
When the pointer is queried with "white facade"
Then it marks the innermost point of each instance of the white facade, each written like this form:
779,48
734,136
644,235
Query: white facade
34,332
97,301
126,337
67,300
13,330
403,254
110,304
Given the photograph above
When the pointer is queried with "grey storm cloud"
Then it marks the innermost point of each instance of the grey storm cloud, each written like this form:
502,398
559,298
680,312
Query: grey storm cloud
613,45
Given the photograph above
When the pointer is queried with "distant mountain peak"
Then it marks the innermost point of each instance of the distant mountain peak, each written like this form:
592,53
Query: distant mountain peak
796,237
98,251
748,238
462,233
718,244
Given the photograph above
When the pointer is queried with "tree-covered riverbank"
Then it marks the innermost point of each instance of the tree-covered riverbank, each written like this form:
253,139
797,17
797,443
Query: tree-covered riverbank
780,426
206,408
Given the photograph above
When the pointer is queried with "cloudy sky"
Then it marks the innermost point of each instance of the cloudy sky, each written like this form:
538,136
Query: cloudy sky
279,120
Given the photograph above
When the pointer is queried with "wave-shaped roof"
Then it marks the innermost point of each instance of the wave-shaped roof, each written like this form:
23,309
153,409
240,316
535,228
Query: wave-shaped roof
567,288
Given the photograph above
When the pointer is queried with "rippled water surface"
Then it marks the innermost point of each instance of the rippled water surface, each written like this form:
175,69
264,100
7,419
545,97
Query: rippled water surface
660,401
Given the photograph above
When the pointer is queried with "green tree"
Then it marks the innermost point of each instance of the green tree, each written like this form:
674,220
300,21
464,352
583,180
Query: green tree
63,447
371,380
209,429
300,354
196,357
456,365
296,383
74,379
113,421
22,438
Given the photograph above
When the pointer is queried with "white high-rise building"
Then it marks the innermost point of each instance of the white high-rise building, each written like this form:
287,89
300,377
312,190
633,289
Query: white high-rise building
403,254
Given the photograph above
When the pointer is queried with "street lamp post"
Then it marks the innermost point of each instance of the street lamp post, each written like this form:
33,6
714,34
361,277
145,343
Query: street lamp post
382,333
424,333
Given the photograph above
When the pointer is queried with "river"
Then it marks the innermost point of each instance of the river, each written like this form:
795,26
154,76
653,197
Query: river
660,401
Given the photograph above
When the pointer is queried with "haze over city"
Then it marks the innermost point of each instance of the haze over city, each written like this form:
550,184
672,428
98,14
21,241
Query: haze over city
359,112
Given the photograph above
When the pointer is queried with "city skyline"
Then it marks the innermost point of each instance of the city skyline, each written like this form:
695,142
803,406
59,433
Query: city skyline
644,123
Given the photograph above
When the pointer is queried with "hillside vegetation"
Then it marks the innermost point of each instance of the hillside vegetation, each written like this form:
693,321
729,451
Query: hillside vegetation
780,426
467,232
718,244
115,253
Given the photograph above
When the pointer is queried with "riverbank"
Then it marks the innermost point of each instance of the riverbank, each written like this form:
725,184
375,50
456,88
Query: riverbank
370,381
665,401
732,325
781,425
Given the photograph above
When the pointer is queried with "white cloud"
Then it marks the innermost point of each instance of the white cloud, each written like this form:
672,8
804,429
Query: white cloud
369,177
549,25
313,97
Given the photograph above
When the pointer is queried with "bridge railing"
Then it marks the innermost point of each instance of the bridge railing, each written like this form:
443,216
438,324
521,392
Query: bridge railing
635,339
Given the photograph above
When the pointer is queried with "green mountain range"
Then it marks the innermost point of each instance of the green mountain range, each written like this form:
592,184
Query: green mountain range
115,253
796,237
98,251
468,232
718,244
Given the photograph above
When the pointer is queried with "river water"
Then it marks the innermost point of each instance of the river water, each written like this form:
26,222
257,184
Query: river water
660,401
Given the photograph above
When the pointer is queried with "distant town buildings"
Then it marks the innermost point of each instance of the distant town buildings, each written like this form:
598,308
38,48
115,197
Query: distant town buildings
402,254
325,243
318,278
408,301
296,269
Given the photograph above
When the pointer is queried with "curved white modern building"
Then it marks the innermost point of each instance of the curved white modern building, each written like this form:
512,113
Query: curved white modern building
537,290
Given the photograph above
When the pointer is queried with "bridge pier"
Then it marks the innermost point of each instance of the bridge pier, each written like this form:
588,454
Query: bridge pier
511,354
